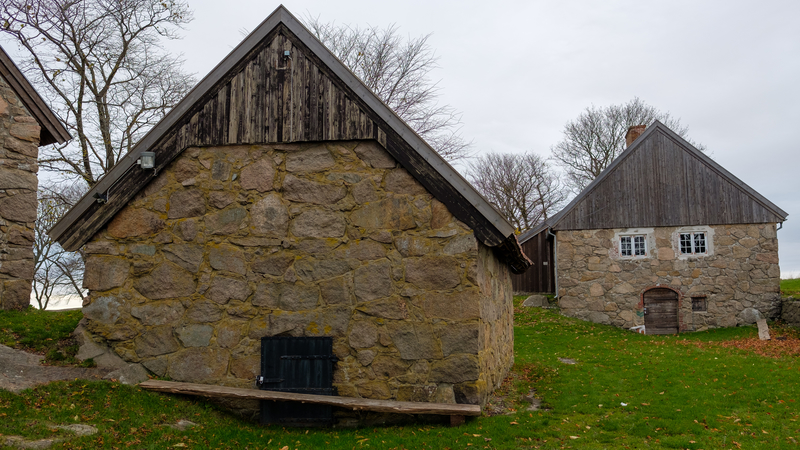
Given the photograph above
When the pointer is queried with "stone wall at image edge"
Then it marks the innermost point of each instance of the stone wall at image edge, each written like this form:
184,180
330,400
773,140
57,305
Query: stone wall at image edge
19,148
230,244
740,280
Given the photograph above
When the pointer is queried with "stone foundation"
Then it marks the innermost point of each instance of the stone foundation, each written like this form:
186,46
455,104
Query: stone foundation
790,311
230,244
19,148
739,278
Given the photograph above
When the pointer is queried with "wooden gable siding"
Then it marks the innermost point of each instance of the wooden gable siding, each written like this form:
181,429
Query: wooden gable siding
272,98
268,99
662,184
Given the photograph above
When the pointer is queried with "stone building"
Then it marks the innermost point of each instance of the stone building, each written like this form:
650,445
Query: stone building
665,238
288,200
26,123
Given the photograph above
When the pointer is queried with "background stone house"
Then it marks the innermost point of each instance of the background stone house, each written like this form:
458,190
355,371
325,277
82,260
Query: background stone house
666,238
26,123
287,200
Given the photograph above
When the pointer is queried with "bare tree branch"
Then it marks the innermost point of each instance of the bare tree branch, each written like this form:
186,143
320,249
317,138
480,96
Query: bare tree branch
523,187
101,65
57,272
597,137
397,70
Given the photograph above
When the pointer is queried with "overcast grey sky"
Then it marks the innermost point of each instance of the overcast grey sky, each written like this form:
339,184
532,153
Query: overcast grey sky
519,71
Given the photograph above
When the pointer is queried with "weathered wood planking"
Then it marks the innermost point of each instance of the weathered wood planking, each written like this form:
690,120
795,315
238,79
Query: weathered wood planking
661,315
385,406
270,98
660,183
540,277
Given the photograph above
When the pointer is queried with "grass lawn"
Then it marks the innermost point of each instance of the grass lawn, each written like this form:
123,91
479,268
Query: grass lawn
42,332
790,287
708,390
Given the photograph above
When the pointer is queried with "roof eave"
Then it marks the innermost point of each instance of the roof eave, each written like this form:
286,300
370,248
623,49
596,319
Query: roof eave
53,131
556,219
282,15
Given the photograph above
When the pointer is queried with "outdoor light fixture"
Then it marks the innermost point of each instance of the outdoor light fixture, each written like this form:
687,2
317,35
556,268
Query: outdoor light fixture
147,160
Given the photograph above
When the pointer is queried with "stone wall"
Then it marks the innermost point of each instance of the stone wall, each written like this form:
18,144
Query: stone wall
739,278
230,244
790,311
19,148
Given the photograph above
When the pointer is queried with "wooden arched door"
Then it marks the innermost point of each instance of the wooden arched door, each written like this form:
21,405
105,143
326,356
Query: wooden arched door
660,311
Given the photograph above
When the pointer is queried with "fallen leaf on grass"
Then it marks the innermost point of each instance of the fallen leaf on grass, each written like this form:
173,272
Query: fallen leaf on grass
574,437
514,423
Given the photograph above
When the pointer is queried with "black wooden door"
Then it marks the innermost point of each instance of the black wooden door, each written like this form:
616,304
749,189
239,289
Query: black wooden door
661,311
297,364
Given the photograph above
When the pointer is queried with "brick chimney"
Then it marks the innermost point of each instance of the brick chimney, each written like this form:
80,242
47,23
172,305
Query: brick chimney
633,133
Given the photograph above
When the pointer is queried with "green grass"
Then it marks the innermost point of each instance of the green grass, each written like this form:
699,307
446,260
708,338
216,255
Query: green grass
42,332
790,287
679,392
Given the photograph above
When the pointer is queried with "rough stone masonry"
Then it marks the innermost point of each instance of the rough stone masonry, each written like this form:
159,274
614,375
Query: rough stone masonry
230,244
19,148
739,280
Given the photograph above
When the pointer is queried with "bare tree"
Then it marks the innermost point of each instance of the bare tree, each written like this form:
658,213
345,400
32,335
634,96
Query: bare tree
523,187
397,70
597,136
101,65
57,272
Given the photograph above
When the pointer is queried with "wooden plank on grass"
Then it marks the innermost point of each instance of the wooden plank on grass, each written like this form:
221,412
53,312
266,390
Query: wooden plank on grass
389,406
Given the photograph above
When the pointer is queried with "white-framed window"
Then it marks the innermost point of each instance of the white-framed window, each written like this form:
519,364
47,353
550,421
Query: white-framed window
633,245
693,243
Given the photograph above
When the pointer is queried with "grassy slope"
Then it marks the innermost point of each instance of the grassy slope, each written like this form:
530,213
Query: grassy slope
43,332
681,392
790,287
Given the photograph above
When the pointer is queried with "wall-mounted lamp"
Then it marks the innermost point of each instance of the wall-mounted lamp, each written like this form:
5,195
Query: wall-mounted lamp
147,160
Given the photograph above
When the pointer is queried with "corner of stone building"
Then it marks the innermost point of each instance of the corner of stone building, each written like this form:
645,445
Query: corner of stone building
19,148
496,354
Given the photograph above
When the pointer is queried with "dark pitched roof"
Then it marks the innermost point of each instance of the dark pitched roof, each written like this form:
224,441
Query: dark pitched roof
52,129
203,117
663,180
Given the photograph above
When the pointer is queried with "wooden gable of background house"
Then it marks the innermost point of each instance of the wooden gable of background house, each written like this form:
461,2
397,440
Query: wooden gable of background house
282,85
660,181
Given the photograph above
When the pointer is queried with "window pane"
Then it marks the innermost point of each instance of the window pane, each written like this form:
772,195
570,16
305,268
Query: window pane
625,245
638,246
686,244
699,242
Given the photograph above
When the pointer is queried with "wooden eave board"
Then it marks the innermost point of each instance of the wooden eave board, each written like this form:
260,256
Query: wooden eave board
216,113
53,130
385,406
662,180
